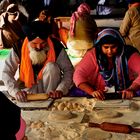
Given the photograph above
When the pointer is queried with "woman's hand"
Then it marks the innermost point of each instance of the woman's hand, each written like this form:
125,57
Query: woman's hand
99,94
127,94
21,96
55,94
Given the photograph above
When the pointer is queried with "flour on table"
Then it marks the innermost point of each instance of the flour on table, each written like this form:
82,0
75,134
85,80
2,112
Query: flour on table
103,114
61,115
71,104
95,134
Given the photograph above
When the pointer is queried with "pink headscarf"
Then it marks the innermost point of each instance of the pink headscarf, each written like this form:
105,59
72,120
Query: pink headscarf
81,10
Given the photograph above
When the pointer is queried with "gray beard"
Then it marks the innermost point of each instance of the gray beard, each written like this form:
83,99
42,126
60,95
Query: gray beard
37,57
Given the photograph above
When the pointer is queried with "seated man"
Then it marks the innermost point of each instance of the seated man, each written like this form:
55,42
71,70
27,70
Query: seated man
11,34
44,65
83,31
111,67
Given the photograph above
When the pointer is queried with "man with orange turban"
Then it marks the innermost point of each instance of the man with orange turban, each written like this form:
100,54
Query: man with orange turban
44,65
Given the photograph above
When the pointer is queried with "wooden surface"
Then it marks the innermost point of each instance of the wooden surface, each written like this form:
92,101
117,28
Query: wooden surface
35,105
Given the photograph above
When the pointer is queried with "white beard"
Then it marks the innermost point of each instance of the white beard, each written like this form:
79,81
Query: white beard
37,57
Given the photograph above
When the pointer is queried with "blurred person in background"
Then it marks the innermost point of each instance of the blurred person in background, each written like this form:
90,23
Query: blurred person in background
83,31
46,16
130,26
11,33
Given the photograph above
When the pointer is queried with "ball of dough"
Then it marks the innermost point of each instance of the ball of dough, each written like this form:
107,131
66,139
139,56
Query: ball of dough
103,114
61,106
37,124
95,134
61,115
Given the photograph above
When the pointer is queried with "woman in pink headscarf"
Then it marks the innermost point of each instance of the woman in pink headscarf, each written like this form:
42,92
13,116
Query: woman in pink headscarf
82,32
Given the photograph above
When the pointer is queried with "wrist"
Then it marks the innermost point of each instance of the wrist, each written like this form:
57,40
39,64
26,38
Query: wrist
129,90
134,87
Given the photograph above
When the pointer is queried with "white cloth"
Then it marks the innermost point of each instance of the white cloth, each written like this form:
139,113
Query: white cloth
53,78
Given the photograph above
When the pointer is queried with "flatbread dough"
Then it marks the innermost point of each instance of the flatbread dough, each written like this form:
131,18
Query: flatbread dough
61,115
37,124
95,134
103,114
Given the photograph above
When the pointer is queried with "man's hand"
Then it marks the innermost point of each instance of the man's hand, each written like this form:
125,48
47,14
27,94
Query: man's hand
99,94
21,96
127,94
55,94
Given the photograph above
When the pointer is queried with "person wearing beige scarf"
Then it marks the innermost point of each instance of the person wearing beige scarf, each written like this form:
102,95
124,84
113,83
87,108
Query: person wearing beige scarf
83,30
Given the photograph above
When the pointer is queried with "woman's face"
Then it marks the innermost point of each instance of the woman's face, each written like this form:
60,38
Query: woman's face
109,50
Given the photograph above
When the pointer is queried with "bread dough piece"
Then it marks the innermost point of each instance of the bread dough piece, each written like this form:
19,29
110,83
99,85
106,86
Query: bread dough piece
95,134
37,124
68,106
134,106
61,106
102,114
56,104
75,105
61,115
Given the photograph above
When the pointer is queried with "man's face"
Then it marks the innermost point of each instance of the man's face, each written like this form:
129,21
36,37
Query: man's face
38,49
109,50
38,44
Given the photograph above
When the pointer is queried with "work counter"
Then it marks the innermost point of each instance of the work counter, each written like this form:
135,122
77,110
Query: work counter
68,118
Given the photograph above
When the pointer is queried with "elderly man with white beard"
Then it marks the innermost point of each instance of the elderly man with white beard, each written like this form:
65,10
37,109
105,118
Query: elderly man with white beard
44,66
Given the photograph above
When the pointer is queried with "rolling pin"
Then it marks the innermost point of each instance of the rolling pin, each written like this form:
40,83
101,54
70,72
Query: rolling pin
38,96
115,127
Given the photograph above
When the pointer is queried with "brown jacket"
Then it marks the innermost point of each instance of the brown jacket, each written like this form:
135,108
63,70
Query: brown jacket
130,27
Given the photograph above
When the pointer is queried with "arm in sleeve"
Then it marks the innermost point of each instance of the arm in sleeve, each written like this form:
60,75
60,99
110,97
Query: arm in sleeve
8,75
86,70
134,66
67,69
125,25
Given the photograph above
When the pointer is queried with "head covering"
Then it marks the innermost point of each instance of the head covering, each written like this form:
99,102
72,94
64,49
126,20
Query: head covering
45,13
81,10
110,36
9,118
37,29
12,9
118,75
113,34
